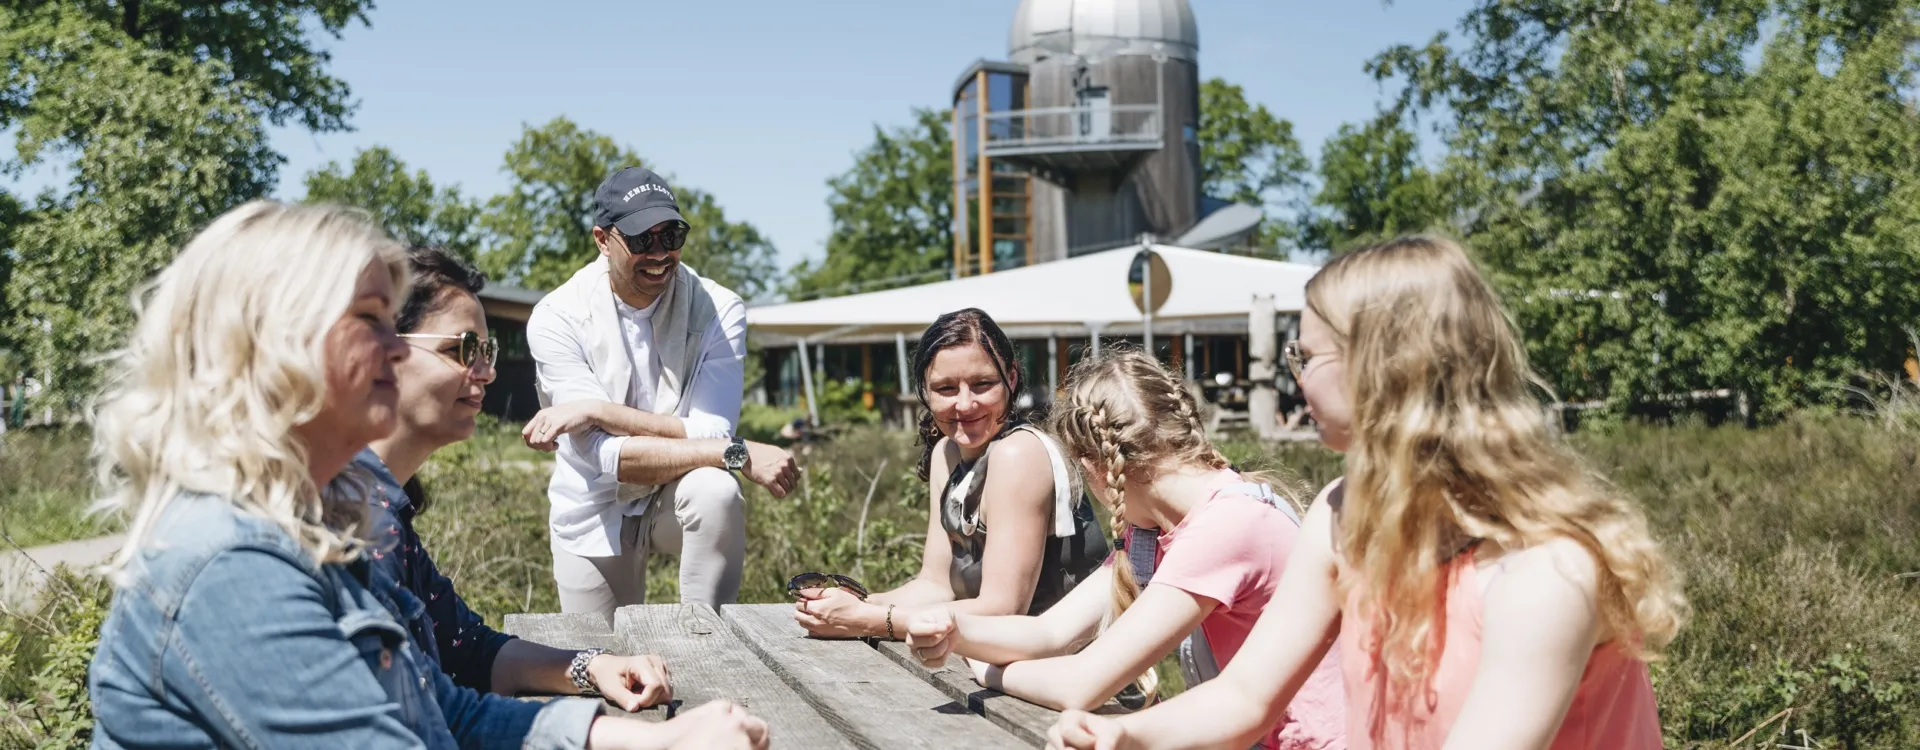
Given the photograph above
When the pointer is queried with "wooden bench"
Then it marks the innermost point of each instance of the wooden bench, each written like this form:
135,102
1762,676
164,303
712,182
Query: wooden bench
813,693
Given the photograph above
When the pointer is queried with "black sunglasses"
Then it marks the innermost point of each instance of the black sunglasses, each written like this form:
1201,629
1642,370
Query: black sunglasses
824,581
673,237
472,347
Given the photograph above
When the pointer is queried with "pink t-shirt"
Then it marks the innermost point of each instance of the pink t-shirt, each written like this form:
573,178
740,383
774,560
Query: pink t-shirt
1232,549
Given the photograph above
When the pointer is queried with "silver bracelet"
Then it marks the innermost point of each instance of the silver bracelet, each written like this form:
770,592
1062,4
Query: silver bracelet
578,671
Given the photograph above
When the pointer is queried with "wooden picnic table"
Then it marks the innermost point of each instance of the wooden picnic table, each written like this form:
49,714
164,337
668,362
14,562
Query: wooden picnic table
813,693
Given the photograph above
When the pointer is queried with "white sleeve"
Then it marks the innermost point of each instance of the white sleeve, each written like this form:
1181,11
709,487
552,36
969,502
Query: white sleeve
561,368
564,373
714,397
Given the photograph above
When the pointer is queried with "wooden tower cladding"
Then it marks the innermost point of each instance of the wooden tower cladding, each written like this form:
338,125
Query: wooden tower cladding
1084,141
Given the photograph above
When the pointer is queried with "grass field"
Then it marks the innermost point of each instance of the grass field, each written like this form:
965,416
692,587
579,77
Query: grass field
1795,540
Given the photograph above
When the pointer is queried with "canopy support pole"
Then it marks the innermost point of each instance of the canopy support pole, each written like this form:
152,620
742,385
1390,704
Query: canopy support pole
900,349
1053,363
1093,336
1186,351
1263,404
1146,302
806,381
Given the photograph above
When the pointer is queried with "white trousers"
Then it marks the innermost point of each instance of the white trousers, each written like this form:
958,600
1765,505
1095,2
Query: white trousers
701,517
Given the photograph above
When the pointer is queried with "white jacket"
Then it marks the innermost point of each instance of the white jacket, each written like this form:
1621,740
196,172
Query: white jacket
700,331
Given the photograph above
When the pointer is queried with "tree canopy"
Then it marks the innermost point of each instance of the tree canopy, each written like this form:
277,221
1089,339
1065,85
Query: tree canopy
1681,198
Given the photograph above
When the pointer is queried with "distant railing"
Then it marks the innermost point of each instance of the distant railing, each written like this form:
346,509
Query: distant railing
1030,130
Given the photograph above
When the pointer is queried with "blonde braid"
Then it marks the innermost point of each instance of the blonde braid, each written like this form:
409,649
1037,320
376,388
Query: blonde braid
1126,588
1185,412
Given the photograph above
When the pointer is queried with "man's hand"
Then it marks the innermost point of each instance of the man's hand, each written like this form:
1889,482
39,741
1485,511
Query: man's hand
770,467
543,431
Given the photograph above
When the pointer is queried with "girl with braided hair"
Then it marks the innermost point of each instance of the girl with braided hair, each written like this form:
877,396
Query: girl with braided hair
1205,547
1044,539
1486,589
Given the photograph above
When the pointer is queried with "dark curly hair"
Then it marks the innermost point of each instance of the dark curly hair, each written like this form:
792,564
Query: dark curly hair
971,326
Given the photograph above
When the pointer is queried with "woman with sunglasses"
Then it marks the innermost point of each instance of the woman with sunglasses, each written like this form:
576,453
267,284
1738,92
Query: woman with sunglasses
1044,539
441,388
246,611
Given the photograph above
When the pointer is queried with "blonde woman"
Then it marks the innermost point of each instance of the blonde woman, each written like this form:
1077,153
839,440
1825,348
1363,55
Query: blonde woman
1487,591
1207,543
246,613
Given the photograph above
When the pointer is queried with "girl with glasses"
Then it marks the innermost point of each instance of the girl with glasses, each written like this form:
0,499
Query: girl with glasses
1482,587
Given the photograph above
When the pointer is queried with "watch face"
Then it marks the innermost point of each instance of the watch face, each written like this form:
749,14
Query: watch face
735,456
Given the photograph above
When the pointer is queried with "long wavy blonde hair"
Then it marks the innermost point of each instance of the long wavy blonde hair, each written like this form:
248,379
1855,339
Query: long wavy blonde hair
225,361
1128,418
1451,443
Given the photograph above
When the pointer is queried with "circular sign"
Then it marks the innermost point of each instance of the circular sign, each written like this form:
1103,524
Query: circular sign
1137,275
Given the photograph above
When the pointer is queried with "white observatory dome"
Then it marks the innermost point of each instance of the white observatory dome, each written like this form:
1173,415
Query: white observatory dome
1098,29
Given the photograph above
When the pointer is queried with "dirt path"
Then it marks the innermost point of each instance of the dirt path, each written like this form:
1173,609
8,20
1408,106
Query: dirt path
22,572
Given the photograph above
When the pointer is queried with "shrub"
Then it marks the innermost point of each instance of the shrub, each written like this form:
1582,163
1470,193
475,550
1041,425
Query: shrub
44,654
1793,539
47,487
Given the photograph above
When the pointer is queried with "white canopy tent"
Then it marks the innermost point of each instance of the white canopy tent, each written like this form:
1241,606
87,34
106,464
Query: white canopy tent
1088,296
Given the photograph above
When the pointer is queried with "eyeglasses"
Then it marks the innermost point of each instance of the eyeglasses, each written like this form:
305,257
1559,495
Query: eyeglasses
670,239
472,347
1296,356
824,581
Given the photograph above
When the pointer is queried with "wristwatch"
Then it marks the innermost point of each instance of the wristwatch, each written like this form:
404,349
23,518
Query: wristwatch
735,457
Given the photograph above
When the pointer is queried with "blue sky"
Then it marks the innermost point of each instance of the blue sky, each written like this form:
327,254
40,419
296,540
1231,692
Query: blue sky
760,102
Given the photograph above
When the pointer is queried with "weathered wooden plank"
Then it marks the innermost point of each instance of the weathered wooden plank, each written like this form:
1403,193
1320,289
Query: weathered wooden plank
574,631
1024,720
709,662
577,631
863,693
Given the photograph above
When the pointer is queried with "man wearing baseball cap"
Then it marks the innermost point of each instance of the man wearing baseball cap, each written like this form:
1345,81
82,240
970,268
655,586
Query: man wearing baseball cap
641,368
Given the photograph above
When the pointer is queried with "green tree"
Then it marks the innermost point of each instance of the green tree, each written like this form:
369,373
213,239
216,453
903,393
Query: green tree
11,216
541,230
263,53
1249,155
733,253
408,204
1372,186
1682,197
892,214
157,144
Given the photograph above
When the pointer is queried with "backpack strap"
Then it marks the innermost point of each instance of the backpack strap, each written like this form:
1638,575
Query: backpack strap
1063,495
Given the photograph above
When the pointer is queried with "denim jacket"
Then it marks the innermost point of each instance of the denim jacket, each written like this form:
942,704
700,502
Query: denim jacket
450,633
224,633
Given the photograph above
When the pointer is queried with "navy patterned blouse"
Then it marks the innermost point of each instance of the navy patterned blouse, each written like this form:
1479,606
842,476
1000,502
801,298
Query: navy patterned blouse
461,641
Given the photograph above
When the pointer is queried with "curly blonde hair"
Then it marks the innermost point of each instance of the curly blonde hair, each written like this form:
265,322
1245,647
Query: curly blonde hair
1129,418
1451,443
225,361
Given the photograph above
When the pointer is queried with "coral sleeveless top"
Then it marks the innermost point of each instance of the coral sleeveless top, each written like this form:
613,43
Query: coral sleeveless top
1612,709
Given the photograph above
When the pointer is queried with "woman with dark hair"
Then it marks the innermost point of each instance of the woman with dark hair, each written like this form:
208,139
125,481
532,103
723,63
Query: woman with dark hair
1044,538
441,388
246,612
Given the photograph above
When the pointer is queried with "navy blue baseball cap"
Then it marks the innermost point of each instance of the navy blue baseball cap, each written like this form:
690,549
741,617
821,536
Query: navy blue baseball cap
633,200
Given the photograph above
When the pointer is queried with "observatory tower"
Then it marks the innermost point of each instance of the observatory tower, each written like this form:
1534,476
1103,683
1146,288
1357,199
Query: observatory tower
1083,140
